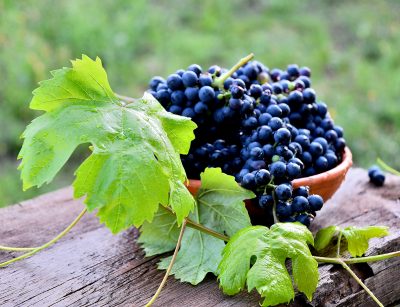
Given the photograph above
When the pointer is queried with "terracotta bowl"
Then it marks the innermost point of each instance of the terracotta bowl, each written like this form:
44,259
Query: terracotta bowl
324,184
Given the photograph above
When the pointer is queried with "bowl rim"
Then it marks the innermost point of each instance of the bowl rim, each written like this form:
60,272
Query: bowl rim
339,170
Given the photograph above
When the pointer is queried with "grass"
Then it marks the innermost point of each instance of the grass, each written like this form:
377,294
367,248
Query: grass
351,46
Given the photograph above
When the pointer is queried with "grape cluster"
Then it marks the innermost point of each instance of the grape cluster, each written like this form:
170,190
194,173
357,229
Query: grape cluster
265,127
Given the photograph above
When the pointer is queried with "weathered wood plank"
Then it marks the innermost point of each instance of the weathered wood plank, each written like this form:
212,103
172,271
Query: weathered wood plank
91,267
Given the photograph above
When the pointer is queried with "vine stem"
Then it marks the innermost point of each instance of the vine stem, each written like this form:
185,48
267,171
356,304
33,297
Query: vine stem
348,269
358,259
192,224
387,167
219,82
163,282
51,242
17,249
338,244
344,262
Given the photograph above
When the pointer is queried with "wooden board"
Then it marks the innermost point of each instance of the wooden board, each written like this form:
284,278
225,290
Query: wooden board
91,267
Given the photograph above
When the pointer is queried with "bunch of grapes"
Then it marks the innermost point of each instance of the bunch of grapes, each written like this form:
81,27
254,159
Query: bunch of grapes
265,127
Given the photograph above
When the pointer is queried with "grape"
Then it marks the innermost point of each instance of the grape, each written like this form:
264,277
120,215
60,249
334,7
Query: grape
195,68
293,170
282,135
188,112
278,169
248,180
155,81
189,78
316,202
200,108
283,209
262,177
376,176
283,192
174,82
301,191
275,123
304,219
300,204
205,80
206,94
266,201
192,93
274,110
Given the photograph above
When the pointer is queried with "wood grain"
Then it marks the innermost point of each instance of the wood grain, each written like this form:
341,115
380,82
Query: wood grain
91,267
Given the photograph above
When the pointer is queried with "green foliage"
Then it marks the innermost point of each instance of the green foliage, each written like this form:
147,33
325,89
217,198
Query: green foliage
131,145
159,236
271,247
324,236
357,237
219,207
220,202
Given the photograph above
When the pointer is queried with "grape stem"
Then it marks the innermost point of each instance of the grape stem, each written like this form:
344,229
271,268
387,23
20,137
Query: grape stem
276,220
163,282
219,82
38,249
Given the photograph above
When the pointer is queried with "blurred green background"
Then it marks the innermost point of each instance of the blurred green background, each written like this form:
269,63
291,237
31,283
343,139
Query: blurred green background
351,46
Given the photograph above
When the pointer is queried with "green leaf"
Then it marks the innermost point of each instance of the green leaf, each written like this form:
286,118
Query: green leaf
324,236
161,235
199,254
219,207
357,238
220,200
387,167
135,162
248,242
269,275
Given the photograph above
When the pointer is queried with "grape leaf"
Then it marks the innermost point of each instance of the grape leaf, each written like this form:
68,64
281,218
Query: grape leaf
199,254
324,237
357,238
220,201
161,235
269,275
134,165
219,207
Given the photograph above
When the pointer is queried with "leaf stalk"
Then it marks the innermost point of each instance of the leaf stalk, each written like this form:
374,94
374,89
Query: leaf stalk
192,224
